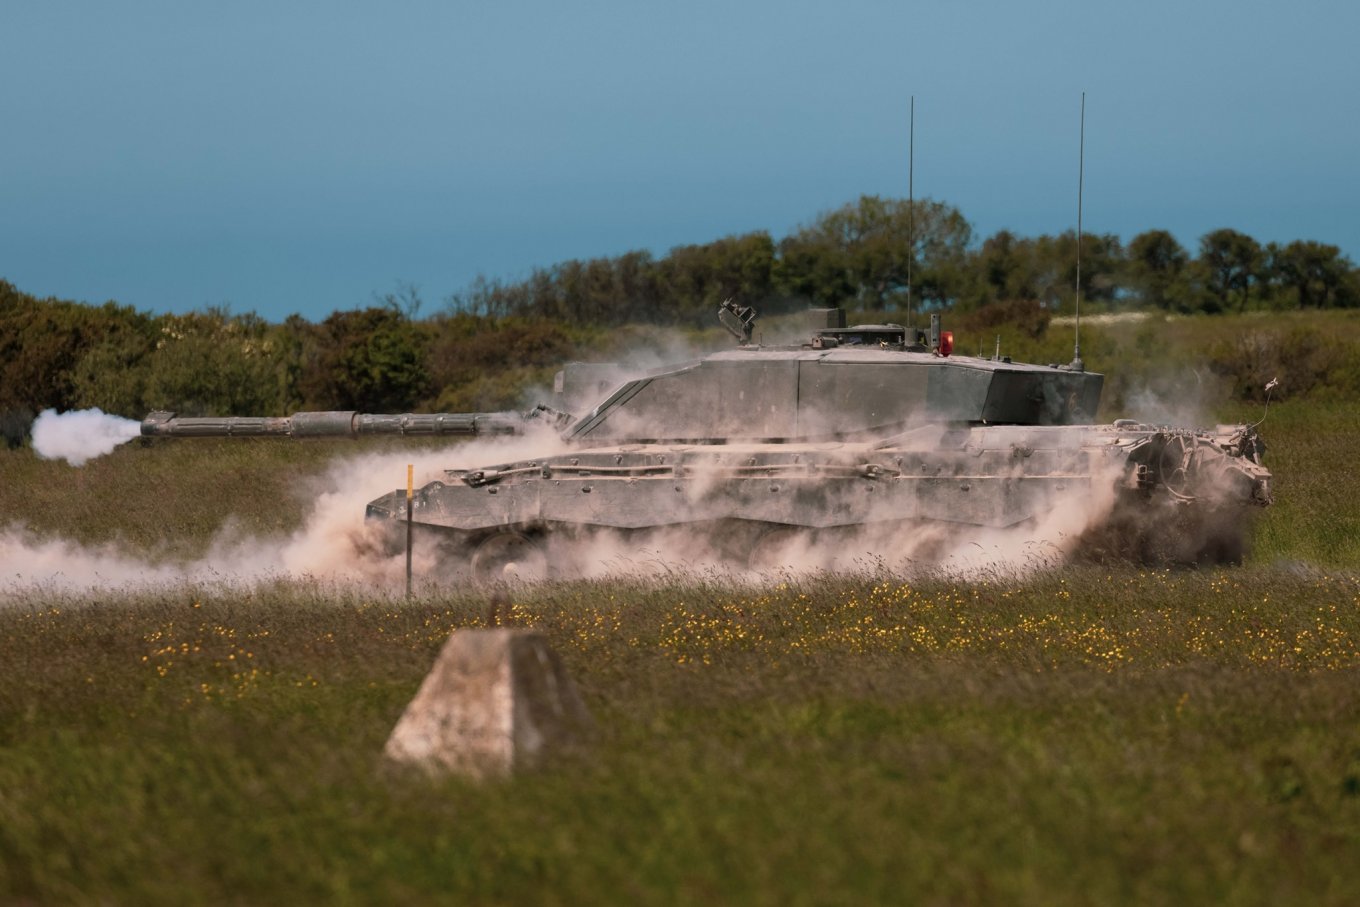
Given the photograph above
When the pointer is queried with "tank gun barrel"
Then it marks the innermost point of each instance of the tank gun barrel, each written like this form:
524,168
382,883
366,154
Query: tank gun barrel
331,425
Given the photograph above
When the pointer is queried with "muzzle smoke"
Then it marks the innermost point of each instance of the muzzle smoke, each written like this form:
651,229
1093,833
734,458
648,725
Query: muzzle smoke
80,436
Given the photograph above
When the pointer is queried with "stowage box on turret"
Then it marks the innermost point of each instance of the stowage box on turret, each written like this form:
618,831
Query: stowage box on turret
863,441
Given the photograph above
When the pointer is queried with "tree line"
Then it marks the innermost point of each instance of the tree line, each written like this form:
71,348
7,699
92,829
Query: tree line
487,344
65,355
879,254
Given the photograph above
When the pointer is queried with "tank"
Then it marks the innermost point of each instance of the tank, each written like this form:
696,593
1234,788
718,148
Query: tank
863,442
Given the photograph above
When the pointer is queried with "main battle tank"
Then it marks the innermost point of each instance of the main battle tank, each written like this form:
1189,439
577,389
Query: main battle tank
870,441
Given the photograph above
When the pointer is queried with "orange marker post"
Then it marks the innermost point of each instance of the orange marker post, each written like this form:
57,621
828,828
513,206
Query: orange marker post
410,497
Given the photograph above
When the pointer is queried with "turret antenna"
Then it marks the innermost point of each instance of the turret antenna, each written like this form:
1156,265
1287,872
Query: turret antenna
1077,365
1274,383
911,203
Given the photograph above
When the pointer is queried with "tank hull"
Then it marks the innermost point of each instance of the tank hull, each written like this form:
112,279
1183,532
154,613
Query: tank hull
737,495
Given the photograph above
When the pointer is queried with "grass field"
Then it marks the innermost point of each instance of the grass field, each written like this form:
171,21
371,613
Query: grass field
1077,738
1083,736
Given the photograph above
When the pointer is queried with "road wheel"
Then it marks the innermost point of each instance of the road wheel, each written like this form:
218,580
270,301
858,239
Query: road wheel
1175,465
506,556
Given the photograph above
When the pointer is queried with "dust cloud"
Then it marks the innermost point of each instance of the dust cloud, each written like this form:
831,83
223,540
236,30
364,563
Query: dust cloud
885,542
334,545
891,533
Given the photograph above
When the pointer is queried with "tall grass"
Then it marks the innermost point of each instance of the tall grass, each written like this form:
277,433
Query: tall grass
1311,451
1079,738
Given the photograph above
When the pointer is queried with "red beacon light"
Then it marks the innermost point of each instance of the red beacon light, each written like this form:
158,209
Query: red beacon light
946,342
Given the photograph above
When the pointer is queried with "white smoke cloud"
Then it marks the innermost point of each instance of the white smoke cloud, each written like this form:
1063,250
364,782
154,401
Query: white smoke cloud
333,545
80,436
1186,397
26,560
336,545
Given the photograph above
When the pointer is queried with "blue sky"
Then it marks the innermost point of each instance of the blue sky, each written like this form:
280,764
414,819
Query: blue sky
303,157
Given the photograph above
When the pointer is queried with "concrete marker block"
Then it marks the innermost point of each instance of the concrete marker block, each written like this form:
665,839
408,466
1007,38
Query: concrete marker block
495,701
